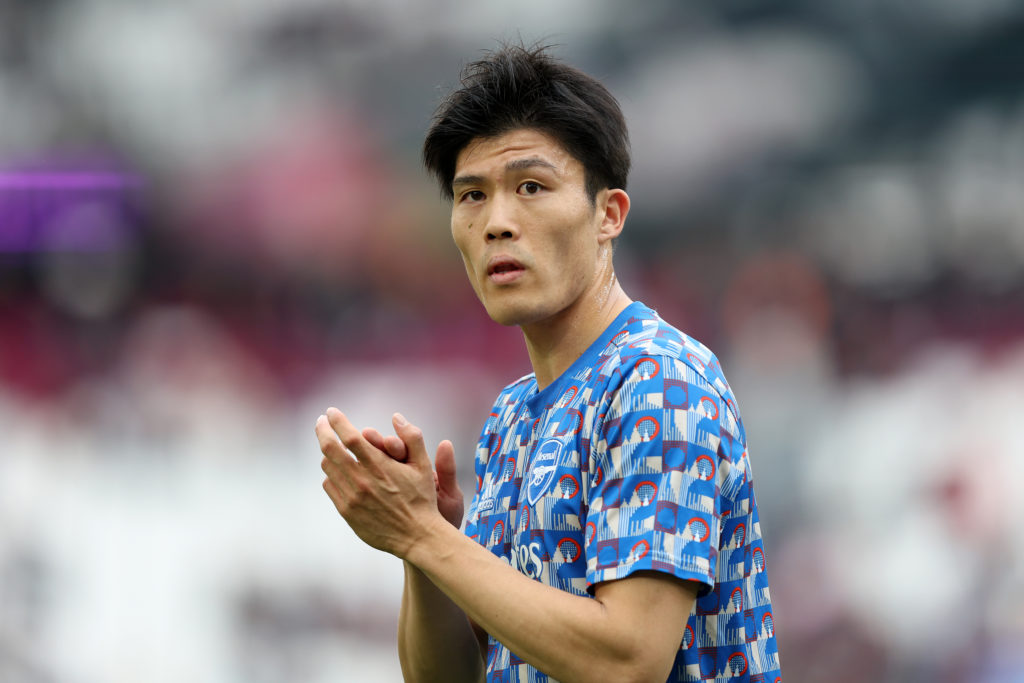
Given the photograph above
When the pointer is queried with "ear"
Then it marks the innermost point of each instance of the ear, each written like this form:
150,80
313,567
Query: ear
612,207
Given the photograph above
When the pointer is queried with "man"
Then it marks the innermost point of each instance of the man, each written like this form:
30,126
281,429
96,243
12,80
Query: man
614,534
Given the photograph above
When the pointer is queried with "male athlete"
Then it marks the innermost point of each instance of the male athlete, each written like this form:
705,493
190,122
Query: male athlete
614,533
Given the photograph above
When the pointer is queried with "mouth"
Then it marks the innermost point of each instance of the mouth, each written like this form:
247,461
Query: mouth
502,269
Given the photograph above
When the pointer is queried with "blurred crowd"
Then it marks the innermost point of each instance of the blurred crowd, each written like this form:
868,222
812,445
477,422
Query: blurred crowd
213,225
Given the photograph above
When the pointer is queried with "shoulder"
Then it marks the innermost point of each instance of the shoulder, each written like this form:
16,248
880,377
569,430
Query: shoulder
653,353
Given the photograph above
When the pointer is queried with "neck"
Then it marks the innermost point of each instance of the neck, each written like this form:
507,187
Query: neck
555,343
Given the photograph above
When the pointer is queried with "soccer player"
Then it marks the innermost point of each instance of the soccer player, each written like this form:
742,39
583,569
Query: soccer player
614,532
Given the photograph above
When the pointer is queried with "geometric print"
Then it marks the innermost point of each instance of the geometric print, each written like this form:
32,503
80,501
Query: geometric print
634,459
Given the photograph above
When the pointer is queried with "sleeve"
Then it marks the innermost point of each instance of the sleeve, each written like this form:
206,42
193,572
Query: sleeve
489,441
653,485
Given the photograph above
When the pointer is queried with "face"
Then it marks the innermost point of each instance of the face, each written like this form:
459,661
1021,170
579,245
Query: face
533,243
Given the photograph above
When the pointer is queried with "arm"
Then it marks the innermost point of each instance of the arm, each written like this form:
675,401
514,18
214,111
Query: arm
630,631
436,641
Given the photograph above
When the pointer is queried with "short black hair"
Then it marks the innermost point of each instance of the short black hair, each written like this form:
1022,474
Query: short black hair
524,87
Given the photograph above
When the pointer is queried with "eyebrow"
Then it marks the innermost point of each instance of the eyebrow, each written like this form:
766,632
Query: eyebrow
514,165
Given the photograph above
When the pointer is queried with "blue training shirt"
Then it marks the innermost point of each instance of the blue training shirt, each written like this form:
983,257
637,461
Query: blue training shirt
634,459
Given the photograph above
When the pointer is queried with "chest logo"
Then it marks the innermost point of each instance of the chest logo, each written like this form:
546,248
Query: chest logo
486,495
542,470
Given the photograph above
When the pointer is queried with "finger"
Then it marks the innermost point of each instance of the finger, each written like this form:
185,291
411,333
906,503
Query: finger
335,472
372,435
330,444
444,462
336,496
390,444
395,447
412,437
336,484
352,438
375,438
341,474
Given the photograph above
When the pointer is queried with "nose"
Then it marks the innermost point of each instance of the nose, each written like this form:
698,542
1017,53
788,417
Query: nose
499,233
504,234
501,220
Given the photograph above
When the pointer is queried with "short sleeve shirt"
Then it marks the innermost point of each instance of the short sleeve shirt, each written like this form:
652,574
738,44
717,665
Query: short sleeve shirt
634,459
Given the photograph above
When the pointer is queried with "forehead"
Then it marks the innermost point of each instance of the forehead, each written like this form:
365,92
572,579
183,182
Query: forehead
523,143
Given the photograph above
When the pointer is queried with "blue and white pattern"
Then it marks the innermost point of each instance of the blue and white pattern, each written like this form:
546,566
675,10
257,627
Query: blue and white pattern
634,459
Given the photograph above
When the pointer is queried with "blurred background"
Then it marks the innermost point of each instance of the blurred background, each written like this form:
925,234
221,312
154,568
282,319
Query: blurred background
213,224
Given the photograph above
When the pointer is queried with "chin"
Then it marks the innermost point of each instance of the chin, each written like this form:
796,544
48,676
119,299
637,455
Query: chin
507,317
512,313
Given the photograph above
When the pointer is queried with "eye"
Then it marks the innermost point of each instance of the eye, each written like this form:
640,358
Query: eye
530,187
472,196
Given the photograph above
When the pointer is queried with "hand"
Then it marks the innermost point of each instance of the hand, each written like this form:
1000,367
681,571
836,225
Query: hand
389,504
450,501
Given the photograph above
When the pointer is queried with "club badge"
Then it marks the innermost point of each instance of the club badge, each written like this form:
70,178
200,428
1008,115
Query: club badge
542,469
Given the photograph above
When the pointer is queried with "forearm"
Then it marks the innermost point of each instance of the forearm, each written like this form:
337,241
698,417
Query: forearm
435,639
628,632
569,637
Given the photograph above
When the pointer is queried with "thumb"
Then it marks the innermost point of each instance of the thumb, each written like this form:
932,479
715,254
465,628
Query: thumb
445,464
412,436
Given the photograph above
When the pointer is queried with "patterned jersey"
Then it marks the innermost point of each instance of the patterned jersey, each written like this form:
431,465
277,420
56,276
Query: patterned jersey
634,459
